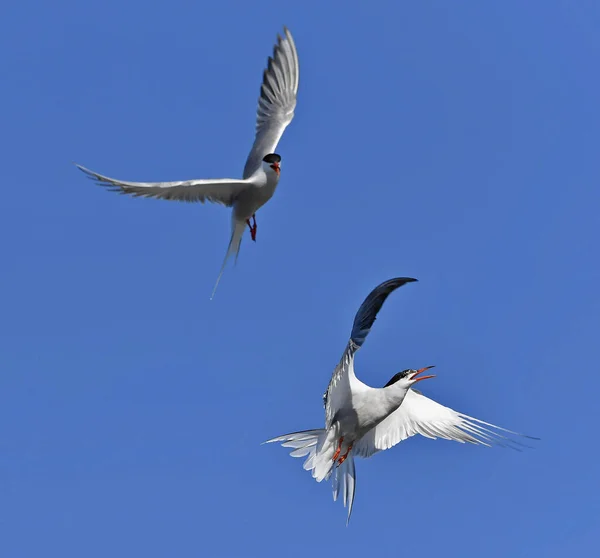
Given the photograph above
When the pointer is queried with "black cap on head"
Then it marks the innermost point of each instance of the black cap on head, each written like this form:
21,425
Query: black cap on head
398,376
272,158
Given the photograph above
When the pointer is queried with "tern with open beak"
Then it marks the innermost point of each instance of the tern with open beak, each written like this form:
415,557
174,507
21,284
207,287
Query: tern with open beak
361,420
245,196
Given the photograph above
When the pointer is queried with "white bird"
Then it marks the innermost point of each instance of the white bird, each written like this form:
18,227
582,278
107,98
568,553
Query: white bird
361,421
245,196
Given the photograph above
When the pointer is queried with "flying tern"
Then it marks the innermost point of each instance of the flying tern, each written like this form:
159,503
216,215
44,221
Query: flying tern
361,420
245,196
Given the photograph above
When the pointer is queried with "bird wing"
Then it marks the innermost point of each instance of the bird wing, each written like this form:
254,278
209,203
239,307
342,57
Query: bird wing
420,415
219,190
276,102
338,392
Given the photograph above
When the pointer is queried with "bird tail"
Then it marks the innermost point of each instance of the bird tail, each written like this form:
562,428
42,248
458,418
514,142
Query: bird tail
345,478
237,232
319,447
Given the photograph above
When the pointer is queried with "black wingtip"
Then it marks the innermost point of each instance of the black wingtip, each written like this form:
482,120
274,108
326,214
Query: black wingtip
365,317
85,171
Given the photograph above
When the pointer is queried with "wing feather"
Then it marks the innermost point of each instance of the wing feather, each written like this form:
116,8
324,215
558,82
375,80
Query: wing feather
420,415
276,102
221,190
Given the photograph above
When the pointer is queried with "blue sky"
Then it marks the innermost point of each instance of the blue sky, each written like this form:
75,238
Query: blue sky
455,142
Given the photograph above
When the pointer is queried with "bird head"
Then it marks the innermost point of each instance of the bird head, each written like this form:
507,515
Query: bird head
272,163
407,378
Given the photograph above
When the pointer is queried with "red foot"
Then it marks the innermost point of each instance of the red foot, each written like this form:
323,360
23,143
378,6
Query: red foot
339,449
343,458
253,227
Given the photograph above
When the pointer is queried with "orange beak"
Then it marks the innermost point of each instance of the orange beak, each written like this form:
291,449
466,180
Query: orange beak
275,167
420,371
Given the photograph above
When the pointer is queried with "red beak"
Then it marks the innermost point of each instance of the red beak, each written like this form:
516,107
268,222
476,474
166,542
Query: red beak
420,371
275,167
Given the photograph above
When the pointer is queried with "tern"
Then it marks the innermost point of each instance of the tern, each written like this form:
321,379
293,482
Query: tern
276,104
361,420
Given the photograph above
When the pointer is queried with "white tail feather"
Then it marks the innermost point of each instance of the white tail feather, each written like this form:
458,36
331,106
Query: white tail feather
319,446
237,232
345,475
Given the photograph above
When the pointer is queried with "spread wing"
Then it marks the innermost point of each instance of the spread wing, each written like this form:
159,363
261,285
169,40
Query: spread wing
420,415
338,390
219,190
276,102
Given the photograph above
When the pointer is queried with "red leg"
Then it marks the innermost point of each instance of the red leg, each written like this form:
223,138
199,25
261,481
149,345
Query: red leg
339,449
253,227
343,458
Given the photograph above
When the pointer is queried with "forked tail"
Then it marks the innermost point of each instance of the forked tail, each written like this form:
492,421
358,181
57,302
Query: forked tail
237,232
318,446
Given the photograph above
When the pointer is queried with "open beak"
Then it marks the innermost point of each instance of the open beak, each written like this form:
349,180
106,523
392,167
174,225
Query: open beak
420,371
275,167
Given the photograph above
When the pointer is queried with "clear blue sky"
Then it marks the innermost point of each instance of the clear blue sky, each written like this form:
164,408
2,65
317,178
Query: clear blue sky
455,142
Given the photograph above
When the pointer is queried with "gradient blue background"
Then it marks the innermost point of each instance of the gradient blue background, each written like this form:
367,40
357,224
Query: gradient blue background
455,142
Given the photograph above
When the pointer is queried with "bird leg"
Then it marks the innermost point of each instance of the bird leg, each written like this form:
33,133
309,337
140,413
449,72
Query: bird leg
253,227
339,449
343,458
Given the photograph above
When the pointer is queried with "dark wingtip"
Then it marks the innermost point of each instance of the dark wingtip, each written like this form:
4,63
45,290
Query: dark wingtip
86,171
287,32
365,317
